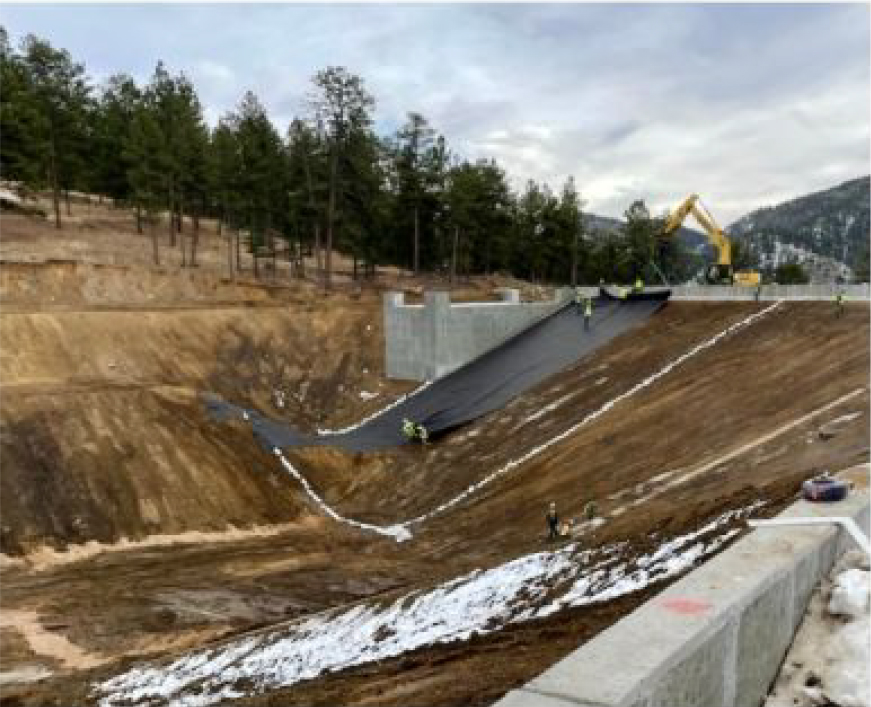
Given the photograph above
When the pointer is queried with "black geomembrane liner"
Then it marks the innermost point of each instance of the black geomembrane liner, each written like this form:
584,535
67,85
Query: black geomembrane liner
483,385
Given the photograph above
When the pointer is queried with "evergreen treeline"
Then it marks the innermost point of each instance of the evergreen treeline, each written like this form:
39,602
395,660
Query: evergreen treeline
327,182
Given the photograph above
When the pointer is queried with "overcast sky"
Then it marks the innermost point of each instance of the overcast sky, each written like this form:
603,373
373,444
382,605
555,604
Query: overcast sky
746,105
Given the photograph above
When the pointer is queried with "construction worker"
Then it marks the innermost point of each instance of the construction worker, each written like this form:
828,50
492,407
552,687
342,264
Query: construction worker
422,434
409,429
588,313
579,300
639,285
552,522
840,301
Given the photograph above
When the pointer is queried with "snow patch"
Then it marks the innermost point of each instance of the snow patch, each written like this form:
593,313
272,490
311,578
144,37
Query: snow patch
828,663
850,593
482,601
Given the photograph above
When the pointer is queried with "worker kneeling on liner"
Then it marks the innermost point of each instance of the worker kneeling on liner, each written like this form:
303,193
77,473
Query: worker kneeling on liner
414,431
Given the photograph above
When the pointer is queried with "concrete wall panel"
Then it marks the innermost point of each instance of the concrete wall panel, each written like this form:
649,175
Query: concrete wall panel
425,342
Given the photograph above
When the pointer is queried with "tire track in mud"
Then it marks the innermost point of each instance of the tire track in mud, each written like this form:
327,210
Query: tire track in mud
44,642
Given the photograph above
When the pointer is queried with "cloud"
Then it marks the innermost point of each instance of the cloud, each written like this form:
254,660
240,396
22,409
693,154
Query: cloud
745,104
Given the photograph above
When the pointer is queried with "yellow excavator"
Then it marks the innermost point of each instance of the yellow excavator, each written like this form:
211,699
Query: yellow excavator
721,273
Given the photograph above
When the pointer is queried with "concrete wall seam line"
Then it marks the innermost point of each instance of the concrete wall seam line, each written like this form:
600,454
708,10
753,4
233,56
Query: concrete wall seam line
564,699
526,697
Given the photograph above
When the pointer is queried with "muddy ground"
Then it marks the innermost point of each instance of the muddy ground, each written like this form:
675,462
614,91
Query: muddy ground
134,525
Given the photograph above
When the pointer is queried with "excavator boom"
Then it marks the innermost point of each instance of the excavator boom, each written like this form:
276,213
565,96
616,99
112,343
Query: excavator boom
716,237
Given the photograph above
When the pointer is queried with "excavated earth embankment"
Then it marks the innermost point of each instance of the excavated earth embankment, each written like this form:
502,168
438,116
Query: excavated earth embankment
105,437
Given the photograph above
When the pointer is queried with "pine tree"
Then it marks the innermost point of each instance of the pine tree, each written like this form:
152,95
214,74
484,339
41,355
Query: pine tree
571,218
60,93
21,121
262,175
341,105
225,166
145,152
119,102
413,143
307,170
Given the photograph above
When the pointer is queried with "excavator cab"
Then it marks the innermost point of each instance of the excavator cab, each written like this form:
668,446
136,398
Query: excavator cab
719,274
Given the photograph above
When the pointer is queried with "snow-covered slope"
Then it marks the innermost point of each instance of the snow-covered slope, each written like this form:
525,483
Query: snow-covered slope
824,231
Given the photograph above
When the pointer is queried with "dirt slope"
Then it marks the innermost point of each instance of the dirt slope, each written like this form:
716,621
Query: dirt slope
732,425
103,437
104,433
67,284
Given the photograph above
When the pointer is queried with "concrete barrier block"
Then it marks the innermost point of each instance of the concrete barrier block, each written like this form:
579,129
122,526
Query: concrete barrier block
667,668
699,678
717,636
808,569
764,634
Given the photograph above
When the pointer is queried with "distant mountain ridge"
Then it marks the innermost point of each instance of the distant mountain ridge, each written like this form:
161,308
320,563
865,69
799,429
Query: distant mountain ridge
822,230
606,224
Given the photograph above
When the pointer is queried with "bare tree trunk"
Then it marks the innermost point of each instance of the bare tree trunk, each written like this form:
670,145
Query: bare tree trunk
319,265
172,239
317,223
454,253
416,241
330,215
238,251
55,187
67,199
355,267
274,259
154,241
300,260
195,238
575,259
139,219
230,256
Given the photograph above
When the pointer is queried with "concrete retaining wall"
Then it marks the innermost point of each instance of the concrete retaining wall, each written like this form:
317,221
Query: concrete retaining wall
771,292
717,637
424,342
